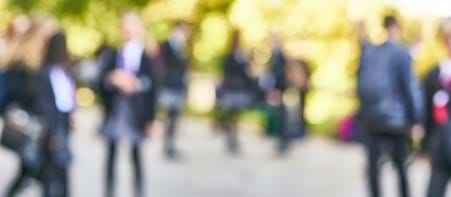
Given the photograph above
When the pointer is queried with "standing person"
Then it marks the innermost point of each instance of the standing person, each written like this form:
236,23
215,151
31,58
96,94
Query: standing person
391,102
175,56
276,83
128,91
438,125
56,102
297,74
235,93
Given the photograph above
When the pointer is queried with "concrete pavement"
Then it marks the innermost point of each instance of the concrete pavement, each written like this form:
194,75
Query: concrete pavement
317,167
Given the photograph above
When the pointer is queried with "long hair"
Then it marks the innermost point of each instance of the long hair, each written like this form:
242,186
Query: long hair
57,53
28,48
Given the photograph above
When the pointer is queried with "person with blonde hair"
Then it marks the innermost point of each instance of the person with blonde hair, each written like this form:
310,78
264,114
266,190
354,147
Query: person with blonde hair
21,61
128,90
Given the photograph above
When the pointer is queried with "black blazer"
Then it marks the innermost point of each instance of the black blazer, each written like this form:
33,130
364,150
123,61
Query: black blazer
56,140
46,104
175,66
142,103
235,74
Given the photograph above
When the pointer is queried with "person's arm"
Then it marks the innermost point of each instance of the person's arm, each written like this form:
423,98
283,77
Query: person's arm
413,93
148,90
44,102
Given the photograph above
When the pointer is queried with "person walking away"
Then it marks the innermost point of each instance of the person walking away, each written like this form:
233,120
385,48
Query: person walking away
175,57
235,93
391,102
129,95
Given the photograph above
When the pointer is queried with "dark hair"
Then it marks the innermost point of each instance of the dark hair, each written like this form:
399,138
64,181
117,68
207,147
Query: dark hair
57,50
390,21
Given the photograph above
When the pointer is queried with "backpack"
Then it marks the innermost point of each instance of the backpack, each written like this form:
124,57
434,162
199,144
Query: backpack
378,90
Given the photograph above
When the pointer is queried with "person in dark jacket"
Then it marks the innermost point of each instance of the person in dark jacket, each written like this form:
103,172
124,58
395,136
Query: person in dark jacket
175,56
56,102
128,92
20,77
274,85
235,92
389,134
438,125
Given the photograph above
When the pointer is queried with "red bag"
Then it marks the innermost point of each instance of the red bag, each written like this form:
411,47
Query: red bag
440,107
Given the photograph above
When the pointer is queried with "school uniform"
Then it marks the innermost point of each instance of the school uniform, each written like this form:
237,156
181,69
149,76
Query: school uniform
126,116
55,103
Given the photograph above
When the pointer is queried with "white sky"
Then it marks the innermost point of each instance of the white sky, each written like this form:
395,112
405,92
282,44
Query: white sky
437,8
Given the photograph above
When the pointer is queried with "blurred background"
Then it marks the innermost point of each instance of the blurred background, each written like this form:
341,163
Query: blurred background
324,33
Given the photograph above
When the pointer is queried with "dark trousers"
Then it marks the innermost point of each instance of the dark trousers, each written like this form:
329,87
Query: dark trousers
439,180
111,163
18,182
441,166
283,132
55,181
396,146
231,131
170,134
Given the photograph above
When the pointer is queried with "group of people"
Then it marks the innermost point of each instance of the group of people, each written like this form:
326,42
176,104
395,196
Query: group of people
393,103
132,81
36,77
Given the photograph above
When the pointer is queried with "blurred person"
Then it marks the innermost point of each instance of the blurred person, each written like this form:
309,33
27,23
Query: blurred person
21,67
129,94
391,103
438,124
235,91
297,74
274,85
175,57
56,102
9,43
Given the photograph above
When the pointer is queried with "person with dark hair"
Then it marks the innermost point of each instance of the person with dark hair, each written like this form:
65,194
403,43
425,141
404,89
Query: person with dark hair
175,56
235,92
390,105
438,124
128,90
56,102
274,84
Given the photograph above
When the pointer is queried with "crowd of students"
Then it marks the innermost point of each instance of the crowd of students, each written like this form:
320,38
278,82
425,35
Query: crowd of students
37,80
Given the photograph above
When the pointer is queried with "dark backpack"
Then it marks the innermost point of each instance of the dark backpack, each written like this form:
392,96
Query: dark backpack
379,91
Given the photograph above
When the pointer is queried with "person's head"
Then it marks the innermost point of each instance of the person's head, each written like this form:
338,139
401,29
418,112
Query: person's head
445,31
236,42
29,48
392,28
276,40
57,53
33,47
132,27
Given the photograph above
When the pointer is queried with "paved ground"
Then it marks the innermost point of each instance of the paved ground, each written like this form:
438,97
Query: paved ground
316,168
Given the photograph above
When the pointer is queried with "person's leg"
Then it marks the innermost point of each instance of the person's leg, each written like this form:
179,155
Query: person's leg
169,140
400,154
136,157
64,182
283,131
374,153
17,183
438,181
232,133
110,166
